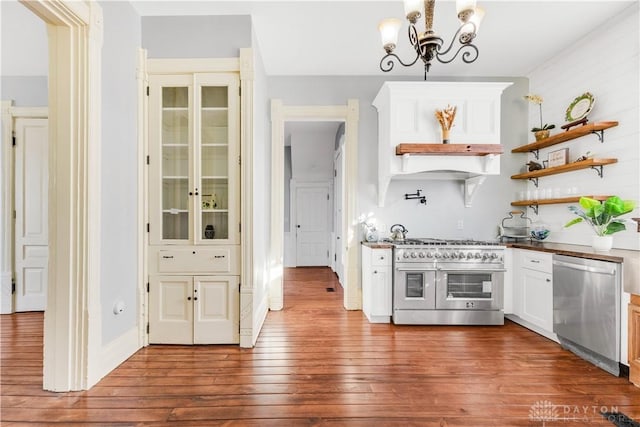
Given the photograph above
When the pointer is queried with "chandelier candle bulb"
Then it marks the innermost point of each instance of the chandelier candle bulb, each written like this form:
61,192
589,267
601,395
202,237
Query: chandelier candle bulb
465,9
413,9
389,29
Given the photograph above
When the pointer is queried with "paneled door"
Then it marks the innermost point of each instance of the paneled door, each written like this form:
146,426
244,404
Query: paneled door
171,310
31,213
312,226
194,310
216,310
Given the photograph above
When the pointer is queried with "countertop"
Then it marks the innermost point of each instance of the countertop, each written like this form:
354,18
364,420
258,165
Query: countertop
629,259
378,245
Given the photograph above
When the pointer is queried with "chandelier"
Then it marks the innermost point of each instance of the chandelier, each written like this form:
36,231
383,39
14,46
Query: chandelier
428,45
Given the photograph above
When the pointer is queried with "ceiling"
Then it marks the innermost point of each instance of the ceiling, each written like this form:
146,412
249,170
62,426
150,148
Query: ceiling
337,37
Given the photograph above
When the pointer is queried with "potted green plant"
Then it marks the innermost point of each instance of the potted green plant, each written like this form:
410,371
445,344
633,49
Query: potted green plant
543,131
602,218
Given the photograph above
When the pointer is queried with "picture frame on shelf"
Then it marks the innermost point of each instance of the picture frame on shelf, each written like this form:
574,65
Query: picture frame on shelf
558,157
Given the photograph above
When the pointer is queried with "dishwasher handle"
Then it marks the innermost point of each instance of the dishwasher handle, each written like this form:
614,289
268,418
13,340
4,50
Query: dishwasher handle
587,268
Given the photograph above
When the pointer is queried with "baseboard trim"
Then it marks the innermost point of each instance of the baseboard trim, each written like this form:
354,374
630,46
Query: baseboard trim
113,354
6,296
259,318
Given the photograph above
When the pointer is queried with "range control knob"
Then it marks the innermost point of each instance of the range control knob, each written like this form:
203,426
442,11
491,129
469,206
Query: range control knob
477,256
413,255
469,255
421,254
446,255
493,256
438,255
485,256
405,255
429,254
454,255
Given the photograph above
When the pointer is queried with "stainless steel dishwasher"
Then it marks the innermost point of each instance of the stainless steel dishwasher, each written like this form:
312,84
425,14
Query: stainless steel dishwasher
586,309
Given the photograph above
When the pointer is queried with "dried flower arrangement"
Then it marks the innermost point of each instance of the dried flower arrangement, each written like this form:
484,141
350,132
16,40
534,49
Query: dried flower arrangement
445,118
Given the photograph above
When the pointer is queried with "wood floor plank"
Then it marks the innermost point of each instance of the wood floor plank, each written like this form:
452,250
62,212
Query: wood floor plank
316,364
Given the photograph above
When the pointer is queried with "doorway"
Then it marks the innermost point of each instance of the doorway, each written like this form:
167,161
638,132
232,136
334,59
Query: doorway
31,178
280,114
72,338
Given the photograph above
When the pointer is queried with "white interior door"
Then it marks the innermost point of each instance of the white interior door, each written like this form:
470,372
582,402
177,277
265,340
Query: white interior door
216,310
312,226
171,310
338,190
31,216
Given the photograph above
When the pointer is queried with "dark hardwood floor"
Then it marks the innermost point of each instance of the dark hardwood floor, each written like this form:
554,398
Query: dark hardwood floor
317,364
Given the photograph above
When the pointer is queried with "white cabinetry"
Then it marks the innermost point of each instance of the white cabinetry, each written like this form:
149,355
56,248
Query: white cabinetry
193,310
194,206
532,284
377,277
406,115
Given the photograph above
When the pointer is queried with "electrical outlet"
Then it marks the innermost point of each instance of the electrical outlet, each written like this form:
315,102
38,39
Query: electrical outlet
460,224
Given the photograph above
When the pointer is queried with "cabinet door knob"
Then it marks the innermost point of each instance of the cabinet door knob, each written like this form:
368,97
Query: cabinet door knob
381,257
548,280
375,271
188,298
195,298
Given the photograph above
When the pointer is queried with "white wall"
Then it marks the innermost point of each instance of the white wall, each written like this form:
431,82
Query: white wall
445,199
606,65
261,191
120,165
312,155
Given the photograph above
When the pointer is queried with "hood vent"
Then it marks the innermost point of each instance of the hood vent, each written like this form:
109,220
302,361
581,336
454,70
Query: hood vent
409,135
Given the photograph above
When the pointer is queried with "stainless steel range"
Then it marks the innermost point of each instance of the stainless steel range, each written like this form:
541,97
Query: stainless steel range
448,282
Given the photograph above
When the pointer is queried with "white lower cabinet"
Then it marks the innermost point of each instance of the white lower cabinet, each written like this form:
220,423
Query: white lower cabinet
377,279
532,290
194,310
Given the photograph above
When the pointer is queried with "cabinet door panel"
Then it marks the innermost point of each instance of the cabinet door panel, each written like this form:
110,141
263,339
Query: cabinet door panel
216,310
171,310
381,291
537,299
217,124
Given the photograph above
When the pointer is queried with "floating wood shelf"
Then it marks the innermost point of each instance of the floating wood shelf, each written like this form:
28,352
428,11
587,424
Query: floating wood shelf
533,204
589,163
554,201
449,149
596,128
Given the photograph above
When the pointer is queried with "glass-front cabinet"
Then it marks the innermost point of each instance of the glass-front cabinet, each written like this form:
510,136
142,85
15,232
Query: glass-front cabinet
194,159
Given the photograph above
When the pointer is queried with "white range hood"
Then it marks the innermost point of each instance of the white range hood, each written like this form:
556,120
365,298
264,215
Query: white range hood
406,121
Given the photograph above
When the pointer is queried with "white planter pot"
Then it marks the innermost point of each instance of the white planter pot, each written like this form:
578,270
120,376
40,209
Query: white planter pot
602,243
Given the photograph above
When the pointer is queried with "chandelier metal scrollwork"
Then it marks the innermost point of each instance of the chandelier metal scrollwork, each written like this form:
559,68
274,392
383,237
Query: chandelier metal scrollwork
428,45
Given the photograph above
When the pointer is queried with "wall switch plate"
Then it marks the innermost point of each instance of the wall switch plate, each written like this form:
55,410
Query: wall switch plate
460,224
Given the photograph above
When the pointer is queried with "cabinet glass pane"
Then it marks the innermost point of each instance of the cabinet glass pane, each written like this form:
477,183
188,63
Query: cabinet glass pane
214,115
215,208
214,163
175,163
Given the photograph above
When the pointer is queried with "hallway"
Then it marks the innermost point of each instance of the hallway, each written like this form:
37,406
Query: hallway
317,364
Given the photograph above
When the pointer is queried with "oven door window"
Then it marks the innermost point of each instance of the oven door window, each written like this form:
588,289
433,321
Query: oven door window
469,285
414,285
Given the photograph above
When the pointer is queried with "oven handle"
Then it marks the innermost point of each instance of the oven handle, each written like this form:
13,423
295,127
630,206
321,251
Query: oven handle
416,269
473,270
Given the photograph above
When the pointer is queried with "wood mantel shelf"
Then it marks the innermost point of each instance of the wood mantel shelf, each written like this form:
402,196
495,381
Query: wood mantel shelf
565,136
589,163
448,149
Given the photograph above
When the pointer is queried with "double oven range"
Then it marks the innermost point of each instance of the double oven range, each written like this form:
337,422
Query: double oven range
448,282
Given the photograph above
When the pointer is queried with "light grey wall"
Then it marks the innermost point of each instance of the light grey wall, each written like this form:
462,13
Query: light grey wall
195,36
25,91
24,56
445,201
119,167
